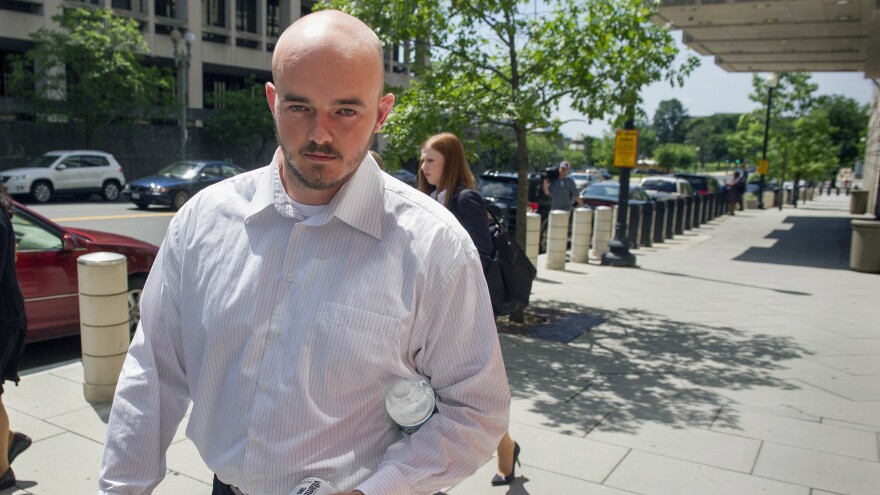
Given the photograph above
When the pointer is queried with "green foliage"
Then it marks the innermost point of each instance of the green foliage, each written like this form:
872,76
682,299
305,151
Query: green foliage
670,121
90,71
496,66
676,156
710,135
849,124
243,119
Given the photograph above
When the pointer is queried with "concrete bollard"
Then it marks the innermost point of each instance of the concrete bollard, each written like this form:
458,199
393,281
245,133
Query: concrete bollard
557,239
647,224
659,221
104,327
634,225
601,231
671,207
533,237
688,213
865,246
768,199
581,232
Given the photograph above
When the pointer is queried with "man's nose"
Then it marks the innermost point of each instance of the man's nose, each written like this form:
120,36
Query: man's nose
321,130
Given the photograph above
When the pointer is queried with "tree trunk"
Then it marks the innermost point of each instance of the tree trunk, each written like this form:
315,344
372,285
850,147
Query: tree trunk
522,197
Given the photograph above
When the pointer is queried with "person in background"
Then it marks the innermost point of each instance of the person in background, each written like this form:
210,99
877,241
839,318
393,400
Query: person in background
286,301
733,195
378,158
445,176
13,329
741,187
562,190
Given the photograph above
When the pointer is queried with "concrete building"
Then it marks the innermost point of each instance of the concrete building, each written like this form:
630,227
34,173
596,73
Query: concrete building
790,36
232,39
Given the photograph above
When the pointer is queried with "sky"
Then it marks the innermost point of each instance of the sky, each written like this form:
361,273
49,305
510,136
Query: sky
709,90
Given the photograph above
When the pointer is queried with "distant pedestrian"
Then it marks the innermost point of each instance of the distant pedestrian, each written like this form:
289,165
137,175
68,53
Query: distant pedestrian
13,328
562,190
733,195
741,187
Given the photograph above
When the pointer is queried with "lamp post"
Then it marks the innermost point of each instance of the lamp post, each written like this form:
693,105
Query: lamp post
772,81
182,58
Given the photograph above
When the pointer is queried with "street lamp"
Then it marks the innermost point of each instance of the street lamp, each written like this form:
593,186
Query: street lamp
772,81
181,61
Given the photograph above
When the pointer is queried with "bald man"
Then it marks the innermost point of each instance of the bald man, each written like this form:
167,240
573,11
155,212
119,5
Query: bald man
286,301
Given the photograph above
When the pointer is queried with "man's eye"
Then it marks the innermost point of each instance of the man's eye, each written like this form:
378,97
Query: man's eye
347,112
298,108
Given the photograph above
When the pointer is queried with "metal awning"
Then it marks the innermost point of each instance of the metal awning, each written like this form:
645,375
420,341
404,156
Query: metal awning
781,35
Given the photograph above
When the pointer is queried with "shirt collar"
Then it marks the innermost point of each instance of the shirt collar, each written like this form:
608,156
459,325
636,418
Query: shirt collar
358,203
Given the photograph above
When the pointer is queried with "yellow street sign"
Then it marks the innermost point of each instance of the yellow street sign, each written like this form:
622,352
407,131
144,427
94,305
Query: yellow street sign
626,148
763,167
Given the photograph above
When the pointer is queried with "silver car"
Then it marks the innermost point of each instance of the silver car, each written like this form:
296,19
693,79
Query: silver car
76,172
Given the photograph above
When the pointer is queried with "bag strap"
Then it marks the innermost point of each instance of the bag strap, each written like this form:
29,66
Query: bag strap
495,219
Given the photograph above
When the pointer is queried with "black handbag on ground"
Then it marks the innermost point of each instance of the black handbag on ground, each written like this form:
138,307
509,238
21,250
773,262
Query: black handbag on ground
509,273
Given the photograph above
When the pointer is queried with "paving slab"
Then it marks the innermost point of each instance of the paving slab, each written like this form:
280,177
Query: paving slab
824,471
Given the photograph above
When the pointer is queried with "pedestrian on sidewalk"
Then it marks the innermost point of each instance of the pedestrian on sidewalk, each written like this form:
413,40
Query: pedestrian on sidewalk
741,187
562,189
733,194
13,329
285,302
445,176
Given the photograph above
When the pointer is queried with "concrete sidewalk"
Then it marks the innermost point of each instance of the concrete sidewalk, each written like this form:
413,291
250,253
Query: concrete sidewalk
740,358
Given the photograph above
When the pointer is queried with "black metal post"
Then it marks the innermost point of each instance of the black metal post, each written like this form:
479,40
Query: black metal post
618,254
764,152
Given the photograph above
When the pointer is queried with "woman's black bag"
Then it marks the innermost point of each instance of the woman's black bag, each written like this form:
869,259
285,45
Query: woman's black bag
509,273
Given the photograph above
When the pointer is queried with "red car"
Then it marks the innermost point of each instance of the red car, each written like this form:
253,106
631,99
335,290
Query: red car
47,270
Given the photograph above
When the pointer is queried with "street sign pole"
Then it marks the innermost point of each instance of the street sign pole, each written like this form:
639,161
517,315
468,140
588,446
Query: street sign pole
625,153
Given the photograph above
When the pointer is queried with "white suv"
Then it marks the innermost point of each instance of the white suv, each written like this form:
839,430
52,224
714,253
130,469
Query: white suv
664,186
78,172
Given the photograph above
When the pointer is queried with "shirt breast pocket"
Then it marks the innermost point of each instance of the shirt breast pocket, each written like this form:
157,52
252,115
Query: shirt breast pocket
353,352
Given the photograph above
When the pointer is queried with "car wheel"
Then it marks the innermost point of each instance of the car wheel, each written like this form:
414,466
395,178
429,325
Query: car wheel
41,191
135,288
179,199
110,191
141,205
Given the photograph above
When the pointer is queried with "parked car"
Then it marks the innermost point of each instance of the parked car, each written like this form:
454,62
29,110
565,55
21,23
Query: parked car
77,172
47,270
175,184
405,176
700,183
499,189
582,179
607,193
667,186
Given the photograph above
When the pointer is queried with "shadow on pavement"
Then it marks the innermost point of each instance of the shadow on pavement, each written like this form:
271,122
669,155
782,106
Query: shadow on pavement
638,367
817,242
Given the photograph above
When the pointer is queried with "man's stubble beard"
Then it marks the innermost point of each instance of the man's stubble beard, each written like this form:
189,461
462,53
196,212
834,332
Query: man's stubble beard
315,180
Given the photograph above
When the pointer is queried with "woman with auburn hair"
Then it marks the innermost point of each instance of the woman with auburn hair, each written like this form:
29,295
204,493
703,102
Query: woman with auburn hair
444,175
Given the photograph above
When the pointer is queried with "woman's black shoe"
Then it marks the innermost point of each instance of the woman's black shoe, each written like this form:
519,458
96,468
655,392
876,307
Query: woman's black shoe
8,479
20,443
499,480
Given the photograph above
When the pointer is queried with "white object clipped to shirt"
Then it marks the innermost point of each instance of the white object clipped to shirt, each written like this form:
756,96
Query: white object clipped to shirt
285,334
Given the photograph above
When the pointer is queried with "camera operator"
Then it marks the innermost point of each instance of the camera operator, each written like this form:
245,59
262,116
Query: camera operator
561,188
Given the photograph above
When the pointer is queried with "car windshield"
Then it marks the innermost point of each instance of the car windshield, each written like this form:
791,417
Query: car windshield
659,185
180,170
492,189
43,161
610,190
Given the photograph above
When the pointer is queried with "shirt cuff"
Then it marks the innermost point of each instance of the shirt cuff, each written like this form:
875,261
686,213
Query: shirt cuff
386,481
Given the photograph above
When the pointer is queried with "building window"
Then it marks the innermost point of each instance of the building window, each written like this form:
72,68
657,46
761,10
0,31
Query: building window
214,13
273,18
11,83
122,4
246,15
166,8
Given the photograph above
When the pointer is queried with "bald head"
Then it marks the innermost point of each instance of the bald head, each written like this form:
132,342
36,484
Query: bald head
328,33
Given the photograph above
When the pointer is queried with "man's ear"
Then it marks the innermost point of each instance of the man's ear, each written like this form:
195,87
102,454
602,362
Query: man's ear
270,96
386,103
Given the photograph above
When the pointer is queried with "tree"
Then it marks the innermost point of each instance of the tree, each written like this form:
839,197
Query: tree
674,156
670,121
241,118
849,123
495,65
91,72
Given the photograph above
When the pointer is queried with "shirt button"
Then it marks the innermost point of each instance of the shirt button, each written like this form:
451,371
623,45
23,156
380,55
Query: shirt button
255,440
290,277
264,386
